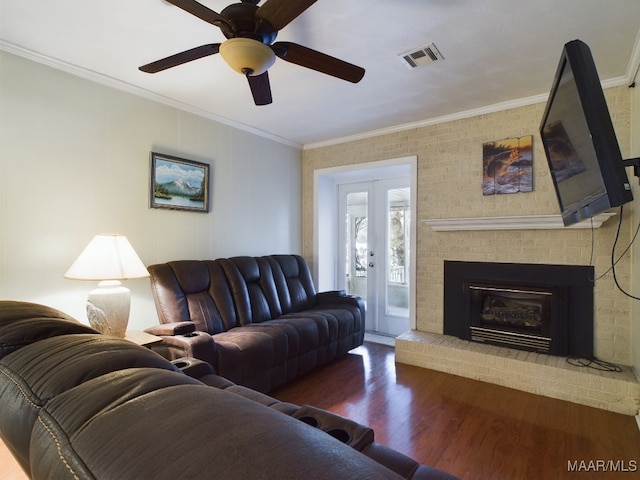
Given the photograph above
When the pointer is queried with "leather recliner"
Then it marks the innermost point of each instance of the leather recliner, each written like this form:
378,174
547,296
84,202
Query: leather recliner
257,320
80,405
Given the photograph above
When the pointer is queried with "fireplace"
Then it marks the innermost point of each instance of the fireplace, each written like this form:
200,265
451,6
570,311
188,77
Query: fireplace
517,315
541,308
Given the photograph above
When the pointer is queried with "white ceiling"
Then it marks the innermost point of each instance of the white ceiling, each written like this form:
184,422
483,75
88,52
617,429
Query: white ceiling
495,52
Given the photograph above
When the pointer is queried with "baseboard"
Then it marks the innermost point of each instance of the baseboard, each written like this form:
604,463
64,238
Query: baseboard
373,337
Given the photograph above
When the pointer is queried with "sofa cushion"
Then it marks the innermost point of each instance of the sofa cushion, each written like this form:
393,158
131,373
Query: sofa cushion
196,291
252,356
234,438
53,365
253,289
292,277
16,325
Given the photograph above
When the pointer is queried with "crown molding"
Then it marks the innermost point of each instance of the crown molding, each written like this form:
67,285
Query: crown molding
496,107
135,90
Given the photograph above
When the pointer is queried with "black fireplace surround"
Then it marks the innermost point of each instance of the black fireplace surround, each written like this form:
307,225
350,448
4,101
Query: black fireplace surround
535,307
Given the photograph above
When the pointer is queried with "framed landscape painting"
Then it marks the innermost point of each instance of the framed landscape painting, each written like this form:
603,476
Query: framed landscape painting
178,184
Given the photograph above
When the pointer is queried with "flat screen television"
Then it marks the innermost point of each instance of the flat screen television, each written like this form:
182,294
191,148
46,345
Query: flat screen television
580,143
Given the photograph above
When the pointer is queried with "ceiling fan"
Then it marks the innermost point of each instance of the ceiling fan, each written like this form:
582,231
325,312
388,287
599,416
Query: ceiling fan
250,49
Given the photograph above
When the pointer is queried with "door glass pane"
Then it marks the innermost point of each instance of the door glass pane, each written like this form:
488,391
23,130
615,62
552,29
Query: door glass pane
397,278
357,246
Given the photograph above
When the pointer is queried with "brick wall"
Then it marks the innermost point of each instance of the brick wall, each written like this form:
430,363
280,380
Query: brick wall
450,185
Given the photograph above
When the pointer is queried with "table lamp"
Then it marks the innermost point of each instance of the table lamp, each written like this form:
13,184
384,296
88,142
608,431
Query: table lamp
108,259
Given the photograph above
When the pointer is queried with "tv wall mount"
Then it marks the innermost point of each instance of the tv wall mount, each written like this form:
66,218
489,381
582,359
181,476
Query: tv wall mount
635,163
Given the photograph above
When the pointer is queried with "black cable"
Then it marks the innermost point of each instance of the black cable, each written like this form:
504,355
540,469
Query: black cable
593,363
593,243
613,256
621,255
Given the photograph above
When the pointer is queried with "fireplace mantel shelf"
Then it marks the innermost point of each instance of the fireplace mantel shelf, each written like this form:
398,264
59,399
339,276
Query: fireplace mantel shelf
526,222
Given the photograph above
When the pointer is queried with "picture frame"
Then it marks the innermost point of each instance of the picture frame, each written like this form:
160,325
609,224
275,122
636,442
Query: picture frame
178,183
507,166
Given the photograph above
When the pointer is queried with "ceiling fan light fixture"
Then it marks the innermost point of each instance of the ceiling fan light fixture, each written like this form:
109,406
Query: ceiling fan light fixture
247,56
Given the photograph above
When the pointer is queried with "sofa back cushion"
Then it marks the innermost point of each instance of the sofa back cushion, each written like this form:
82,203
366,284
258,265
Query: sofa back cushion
17,319
253,289
294,284
196,291
218,295
51,366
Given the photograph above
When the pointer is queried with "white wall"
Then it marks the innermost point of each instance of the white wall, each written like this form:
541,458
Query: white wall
74,162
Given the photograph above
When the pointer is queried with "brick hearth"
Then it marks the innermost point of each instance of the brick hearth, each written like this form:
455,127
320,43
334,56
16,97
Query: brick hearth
546,375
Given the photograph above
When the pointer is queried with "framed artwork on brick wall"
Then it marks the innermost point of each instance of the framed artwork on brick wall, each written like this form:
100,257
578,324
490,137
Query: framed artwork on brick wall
507,166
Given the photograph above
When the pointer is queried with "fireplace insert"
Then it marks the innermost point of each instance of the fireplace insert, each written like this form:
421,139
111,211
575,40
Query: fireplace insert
535,307
517,316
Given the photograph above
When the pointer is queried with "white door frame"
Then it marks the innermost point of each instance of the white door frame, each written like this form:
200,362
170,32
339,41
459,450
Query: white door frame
325,248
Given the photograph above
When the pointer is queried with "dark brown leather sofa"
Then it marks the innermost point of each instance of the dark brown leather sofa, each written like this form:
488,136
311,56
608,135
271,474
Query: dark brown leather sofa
78,404
257,320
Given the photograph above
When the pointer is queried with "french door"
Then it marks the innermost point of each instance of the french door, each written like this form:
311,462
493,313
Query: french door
374,233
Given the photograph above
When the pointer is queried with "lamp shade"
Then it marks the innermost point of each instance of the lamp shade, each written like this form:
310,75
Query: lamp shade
107,257
247,56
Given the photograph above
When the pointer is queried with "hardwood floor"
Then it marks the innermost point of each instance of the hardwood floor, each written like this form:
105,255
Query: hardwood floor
9,468
472,429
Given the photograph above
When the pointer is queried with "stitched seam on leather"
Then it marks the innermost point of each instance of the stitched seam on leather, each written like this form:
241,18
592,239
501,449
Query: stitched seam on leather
39,407
22,391
59,448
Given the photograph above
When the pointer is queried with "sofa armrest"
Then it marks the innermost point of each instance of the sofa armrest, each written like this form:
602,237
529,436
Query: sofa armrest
176,328
196,344
331,294
194,367
347,431
404,466
337,297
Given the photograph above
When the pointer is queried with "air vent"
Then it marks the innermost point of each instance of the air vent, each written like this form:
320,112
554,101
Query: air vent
421,56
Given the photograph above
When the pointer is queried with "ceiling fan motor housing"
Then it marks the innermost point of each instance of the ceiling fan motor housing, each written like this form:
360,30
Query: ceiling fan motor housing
244,23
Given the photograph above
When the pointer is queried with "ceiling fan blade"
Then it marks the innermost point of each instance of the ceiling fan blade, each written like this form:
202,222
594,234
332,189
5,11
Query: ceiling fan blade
200,11
307,57
180,58
260,88
279,13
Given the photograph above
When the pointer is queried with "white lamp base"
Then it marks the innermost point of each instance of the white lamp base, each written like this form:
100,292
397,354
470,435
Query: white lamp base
108,308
